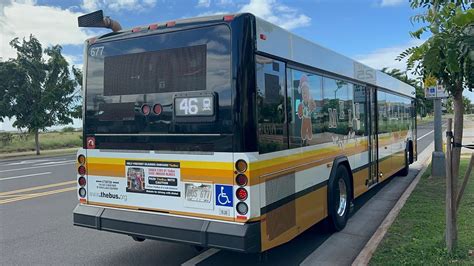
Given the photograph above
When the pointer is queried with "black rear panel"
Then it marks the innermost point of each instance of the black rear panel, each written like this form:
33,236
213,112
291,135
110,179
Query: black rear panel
170,70
126,74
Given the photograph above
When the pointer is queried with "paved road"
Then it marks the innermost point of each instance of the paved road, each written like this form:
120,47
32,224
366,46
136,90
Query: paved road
37,197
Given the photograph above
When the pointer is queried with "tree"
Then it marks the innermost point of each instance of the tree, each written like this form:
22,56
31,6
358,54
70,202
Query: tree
39,93
466,103
447,56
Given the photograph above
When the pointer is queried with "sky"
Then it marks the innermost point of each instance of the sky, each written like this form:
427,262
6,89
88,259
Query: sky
373,32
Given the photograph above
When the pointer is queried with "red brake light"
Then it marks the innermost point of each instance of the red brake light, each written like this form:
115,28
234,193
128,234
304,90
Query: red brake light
146,109
137,29
81,170
242,193
170,23
153,27
241,180
263,36
157,109
228,18
82,181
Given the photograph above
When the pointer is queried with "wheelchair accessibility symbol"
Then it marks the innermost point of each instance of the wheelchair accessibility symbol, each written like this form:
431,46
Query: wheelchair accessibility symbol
224,195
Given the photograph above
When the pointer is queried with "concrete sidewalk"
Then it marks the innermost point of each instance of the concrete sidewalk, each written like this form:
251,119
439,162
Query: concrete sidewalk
343,247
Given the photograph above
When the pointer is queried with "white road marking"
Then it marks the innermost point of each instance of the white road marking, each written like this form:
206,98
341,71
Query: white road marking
20,176
54,162
41,166
24,162
206,254
425,135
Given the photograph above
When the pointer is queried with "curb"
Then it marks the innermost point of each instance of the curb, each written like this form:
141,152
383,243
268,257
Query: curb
366,253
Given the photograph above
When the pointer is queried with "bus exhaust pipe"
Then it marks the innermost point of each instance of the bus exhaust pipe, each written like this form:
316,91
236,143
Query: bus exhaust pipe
97,20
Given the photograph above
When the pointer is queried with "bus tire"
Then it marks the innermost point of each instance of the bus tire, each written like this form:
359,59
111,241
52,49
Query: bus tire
408,159
411,155
339,198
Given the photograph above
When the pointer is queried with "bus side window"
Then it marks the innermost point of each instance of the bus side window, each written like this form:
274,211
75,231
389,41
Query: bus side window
304,108
271,105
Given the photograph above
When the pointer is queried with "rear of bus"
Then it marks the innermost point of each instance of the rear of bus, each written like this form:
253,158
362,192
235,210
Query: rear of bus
162,120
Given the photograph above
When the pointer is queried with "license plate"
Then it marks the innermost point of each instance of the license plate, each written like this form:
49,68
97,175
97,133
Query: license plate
198,192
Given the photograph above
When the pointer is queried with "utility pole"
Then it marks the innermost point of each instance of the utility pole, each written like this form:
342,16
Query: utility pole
438,160
436,92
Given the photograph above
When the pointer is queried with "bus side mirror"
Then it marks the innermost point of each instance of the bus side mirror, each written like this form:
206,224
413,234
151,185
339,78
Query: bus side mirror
97,20
94,19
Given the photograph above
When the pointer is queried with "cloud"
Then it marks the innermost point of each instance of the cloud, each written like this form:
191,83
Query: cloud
51,25
279,14
385,57
117,5
204,3
385,3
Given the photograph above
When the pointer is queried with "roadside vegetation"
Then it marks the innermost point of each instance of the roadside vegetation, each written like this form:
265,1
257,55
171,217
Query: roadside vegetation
417,235
38,89
22,142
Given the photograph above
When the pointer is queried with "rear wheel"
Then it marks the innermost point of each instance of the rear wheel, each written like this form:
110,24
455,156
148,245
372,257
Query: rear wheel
339,198
406,168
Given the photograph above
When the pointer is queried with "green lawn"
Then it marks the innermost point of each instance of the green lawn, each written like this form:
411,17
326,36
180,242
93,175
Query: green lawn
416,236
48,141
424,120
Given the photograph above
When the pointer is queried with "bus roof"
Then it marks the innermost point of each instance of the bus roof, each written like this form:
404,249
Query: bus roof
284,44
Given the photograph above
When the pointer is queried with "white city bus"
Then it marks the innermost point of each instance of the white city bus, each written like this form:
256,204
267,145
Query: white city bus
231,132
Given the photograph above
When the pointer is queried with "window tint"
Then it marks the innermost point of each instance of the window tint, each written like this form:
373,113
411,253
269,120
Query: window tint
323,110
305,114
383,112
359,117
271,105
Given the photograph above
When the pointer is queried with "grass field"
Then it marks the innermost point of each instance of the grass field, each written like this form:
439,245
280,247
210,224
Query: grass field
416,236
48,141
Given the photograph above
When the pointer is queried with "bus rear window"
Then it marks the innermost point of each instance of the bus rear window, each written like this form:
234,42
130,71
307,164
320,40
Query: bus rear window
185,74
170,70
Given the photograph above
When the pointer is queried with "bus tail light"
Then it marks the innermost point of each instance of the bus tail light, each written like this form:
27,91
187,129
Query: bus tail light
82,192
263,36
81,170
241,180
241,166
242,208
157,109
242,193
146,109
81,159
228,18
82,181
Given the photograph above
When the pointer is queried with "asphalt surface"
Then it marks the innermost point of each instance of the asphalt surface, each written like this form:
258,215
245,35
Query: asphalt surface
37,197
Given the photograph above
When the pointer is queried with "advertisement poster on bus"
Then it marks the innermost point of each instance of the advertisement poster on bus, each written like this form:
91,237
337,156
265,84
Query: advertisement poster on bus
158,178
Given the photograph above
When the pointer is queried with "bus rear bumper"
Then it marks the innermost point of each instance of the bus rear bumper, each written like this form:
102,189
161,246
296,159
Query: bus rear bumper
206,233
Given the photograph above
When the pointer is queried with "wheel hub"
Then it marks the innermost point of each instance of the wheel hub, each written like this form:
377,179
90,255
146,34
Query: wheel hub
341,209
